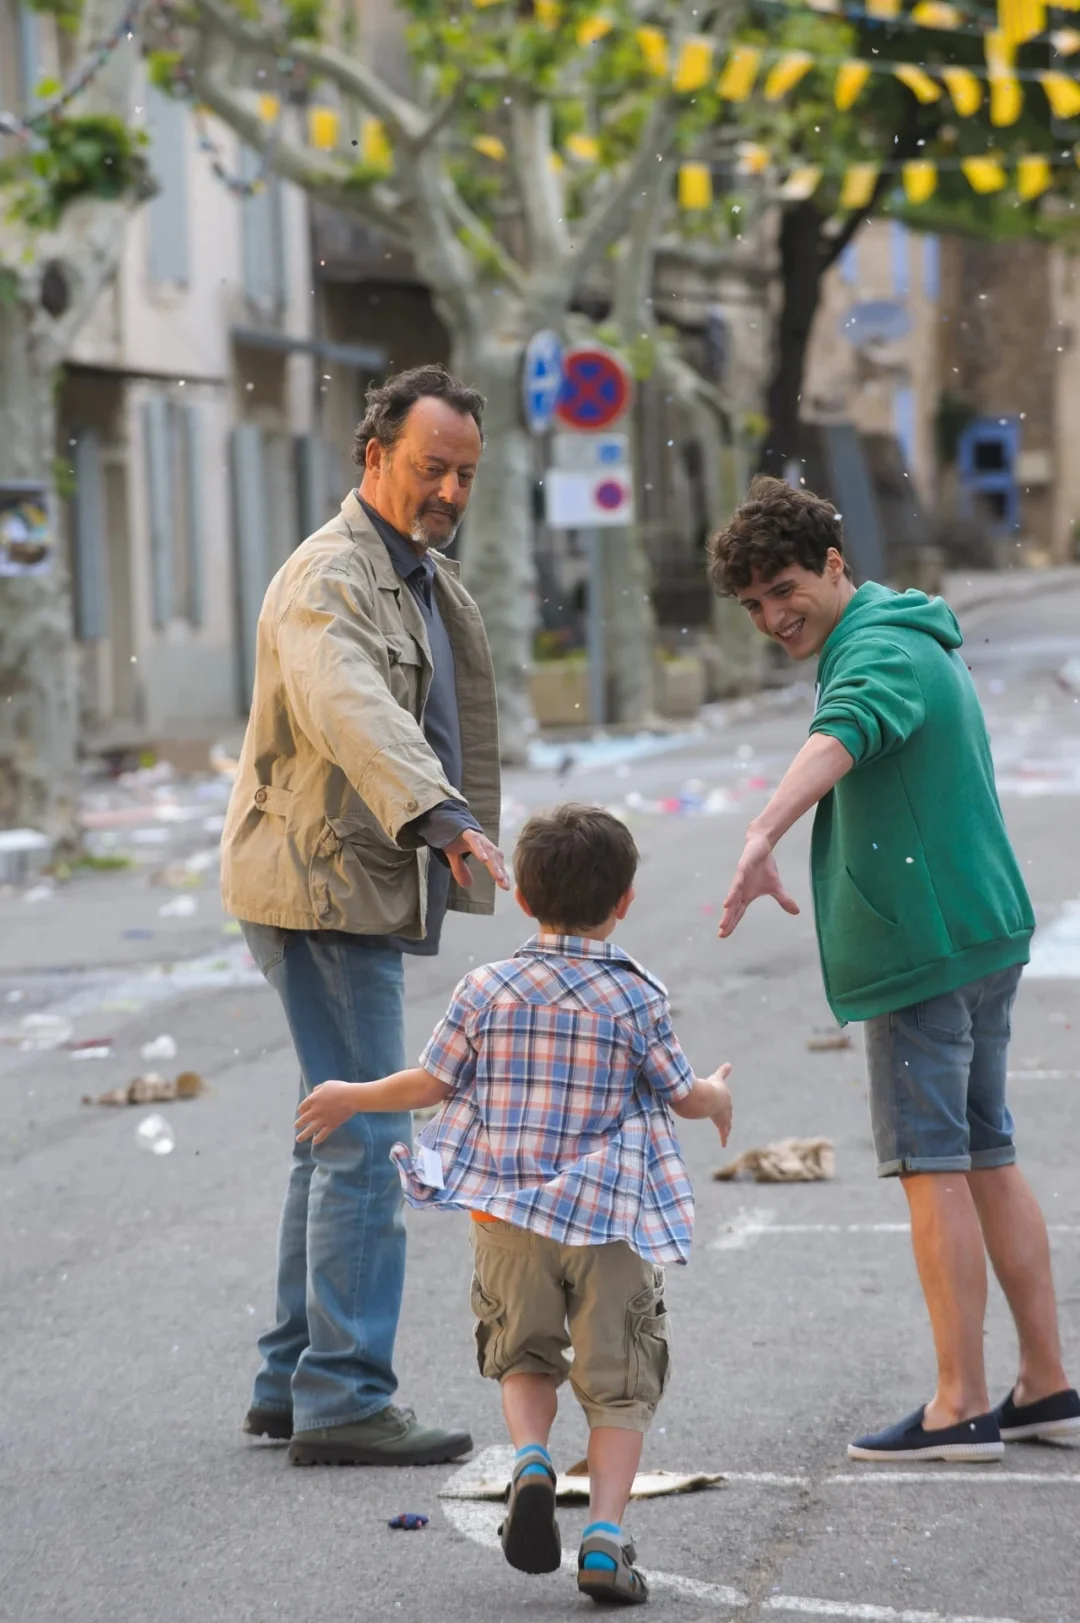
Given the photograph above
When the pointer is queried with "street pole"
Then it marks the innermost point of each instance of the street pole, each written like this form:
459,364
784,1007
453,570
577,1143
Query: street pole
594,545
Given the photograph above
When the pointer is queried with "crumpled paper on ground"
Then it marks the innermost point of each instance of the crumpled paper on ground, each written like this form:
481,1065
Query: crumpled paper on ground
151,1090
573,1487
791,1160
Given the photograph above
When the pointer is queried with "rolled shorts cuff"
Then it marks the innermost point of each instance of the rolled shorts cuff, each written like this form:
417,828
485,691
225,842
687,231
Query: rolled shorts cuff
977,1161
531,1364
987,1160
624,1417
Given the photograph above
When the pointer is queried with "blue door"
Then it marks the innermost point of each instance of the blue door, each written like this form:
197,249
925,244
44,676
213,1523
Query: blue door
987,456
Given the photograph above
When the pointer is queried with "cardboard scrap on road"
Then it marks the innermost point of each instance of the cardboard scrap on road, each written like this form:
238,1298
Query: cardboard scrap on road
791,1160
573,1487
828,1042
152,1089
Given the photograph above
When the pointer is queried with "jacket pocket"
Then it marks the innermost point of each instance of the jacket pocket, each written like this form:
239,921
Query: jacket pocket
406,671
861,945
359,876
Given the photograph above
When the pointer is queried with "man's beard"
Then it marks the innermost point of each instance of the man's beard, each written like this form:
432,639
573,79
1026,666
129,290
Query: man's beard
423,536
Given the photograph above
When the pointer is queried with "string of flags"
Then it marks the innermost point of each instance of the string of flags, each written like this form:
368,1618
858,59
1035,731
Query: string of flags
1033,175
26,128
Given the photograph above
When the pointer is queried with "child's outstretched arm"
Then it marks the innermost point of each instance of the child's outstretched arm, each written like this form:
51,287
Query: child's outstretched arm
709,1099
332,1103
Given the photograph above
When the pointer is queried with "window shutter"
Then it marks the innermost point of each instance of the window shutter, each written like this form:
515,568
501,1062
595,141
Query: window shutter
91,619
29,55
311,484
249,544
189,421
160,505
168,211
263,239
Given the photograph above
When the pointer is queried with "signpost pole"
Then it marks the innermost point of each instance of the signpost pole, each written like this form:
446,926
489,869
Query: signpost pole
597,653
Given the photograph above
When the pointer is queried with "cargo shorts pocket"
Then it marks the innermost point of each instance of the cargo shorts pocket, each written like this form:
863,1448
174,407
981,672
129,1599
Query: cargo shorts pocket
649,1344
489,1330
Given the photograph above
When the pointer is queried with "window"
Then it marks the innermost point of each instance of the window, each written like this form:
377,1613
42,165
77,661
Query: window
167,212
171,433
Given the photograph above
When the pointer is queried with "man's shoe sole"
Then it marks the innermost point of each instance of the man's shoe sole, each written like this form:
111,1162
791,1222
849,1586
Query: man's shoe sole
301,1453
953,1453
273,1423
1050,1431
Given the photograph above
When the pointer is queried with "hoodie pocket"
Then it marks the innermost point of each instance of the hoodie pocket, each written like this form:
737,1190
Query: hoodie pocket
861,945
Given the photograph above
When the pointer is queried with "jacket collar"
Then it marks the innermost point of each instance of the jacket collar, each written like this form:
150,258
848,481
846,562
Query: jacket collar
372,545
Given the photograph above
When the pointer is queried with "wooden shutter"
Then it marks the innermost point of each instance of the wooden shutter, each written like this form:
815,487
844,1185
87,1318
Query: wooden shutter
167,212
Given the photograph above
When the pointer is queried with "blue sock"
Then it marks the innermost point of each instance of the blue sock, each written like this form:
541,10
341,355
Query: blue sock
597,1562
535,1469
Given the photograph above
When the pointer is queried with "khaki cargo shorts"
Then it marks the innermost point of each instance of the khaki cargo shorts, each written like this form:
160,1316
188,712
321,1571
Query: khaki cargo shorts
593,1313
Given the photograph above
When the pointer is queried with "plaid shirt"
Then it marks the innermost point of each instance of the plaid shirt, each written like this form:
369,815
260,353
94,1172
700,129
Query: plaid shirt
562,1060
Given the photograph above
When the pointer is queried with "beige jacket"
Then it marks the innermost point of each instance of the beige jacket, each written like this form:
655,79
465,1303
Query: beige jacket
334,763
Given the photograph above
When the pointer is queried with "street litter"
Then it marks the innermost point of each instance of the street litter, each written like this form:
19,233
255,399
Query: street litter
410,1521
181,907
154,1134
39,893
23,852
44,1031
93,1048
152,1089
828,1042
221,761
791,1160
573,1488
163,1047
1069,676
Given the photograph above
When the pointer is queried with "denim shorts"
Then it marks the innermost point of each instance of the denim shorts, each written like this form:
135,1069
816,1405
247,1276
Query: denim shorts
937,1080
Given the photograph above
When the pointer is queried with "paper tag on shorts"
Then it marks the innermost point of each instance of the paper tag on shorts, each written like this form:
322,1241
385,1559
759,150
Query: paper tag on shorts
430,1164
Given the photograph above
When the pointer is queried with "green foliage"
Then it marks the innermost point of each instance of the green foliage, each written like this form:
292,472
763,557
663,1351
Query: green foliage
92,156
67,13
302,18
163,67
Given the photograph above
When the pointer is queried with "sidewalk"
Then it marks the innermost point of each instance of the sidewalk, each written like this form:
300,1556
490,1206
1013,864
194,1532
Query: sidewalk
967,589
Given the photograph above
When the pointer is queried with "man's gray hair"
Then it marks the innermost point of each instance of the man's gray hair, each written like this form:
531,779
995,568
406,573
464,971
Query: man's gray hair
387,405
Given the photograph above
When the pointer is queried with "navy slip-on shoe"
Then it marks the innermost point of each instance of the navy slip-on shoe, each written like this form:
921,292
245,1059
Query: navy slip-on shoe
1052,1420
973,1441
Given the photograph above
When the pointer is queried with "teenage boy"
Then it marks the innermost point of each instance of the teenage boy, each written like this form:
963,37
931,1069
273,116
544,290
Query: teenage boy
558,1071
923,925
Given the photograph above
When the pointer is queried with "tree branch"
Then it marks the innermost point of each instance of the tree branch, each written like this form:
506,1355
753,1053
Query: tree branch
539,188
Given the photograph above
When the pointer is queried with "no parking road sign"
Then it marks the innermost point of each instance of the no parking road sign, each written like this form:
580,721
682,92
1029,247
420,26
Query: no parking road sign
579,501
597,390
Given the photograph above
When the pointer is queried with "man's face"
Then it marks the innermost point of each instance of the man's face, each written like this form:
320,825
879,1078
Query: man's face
797,608
422,486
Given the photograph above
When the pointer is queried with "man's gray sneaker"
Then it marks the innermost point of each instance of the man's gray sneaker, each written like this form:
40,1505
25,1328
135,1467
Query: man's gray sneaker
391,1437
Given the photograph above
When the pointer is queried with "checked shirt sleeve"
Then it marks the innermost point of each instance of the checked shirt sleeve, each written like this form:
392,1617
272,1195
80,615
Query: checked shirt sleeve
665,1067
450,1054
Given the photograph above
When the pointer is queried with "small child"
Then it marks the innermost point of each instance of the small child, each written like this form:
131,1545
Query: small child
557,1070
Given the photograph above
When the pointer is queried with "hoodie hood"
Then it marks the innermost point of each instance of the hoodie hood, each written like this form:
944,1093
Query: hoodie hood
875,607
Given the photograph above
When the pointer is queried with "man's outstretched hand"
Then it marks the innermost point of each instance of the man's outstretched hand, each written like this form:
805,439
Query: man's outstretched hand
757,875
474,844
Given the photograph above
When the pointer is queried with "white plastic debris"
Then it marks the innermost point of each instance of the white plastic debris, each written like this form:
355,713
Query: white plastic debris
39,893
163,1047
154,1134
45,1031
181,907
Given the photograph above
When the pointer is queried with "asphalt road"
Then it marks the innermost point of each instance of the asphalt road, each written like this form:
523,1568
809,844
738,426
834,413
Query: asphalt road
133,1285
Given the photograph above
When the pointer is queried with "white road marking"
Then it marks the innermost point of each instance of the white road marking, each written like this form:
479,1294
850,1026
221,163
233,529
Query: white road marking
872,1614
741,1229
998,1476
746,1226
1044,1076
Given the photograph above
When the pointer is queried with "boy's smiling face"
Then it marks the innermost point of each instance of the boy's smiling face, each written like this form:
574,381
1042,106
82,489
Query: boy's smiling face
797,608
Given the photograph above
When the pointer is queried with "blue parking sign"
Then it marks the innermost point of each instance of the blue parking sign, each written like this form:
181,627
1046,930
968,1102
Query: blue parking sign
542,380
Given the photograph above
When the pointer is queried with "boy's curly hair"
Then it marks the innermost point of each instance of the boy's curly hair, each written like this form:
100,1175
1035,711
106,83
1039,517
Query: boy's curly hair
775,526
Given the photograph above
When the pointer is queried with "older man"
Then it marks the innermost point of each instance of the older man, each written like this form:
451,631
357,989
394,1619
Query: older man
368,779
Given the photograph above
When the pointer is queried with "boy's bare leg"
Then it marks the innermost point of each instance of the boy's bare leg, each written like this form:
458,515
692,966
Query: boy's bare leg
530,1404
948,1246
614,1457
1014,1229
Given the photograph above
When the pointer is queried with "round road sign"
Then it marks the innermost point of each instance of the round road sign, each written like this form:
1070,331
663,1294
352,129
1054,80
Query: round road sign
610,494
596,389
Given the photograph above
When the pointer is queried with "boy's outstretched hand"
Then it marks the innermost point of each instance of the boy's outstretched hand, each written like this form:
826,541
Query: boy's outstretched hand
757,875
721,1118
325,1108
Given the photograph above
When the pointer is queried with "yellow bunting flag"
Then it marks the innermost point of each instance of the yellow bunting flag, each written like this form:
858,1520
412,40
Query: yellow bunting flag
825,5
850,78
984,174
801,183
652,43
491,147
920,180
1000,51
481,5
785,75
918,82
694,65
935,14
695,186
737,79
858,186
324,123
965,88
586,148
548,13
1006,99
1062,93
1032,176
269,107
1066,41
1021,20
594,28
375,148
883,8
754,159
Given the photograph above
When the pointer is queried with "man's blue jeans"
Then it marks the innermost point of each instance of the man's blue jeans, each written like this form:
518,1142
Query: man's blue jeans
341,1247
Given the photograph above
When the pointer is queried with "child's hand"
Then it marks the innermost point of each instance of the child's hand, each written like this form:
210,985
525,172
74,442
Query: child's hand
722,1116
325,1108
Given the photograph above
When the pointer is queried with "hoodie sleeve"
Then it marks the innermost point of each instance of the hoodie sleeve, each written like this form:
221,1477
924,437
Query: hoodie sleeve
871,705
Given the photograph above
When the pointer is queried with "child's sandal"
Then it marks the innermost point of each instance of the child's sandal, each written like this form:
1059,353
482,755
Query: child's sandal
530,1534
623,1586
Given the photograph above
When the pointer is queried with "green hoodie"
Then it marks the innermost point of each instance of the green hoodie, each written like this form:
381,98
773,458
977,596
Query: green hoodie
916,887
